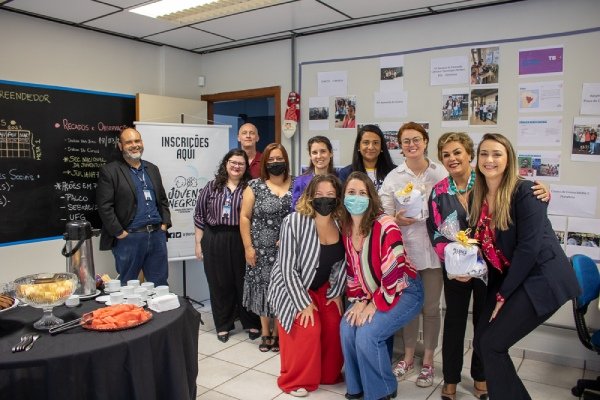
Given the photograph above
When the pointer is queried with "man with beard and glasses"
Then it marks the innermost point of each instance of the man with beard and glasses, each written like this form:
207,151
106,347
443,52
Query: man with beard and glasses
134,210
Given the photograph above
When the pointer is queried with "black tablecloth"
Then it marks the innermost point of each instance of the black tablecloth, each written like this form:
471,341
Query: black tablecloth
157,360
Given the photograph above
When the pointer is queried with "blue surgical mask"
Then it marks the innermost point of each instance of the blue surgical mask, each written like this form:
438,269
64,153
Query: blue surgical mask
356,205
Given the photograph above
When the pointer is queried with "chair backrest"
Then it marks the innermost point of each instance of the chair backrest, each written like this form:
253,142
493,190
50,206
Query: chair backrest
588,278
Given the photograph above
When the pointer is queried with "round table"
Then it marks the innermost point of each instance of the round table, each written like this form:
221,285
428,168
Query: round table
157,360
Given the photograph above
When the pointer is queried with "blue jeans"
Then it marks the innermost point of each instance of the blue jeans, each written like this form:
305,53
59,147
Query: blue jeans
368,365
142,251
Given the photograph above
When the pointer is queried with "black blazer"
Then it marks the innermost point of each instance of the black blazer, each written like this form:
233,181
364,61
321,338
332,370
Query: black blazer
536,259
116,199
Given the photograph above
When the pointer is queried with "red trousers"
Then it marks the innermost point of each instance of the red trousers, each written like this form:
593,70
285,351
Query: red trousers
313,355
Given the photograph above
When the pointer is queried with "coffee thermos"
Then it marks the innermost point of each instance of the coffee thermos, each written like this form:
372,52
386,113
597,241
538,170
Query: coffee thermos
80,256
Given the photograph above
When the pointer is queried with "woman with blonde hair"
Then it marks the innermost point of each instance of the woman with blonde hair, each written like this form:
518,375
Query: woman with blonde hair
307,283
530,277
450,201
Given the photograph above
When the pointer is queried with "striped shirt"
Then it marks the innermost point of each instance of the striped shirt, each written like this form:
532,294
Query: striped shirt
296,267
379,270
218,206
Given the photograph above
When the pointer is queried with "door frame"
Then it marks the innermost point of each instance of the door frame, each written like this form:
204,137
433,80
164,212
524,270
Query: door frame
271,91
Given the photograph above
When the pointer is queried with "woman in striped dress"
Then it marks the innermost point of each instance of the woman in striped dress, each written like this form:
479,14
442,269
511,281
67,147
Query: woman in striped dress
307,282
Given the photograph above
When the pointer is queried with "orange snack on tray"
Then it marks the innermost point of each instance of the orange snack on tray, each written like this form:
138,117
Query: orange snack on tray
118,317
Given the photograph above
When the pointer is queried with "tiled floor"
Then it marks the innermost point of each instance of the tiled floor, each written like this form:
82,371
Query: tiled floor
238,370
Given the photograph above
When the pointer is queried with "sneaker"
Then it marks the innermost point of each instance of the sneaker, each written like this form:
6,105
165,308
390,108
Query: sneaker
425,378
300,392
403,369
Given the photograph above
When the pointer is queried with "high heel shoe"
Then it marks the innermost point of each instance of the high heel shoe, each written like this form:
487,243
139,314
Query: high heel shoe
480,392
446,393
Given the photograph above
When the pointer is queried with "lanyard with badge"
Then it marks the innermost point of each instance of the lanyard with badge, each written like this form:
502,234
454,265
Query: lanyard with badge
227,205
147,192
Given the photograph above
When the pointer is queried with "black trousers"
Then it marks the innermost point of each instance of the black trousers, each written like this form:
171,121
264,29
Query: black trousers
457,296
225,266
515,320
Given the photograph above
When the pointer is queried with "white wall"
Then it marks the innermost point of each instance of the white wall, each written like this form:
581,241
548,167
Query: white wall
44,52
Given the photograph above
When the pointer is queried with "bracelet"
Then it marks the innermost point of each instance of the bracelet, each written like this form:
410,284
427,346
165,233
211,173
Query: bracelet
359,300
500,298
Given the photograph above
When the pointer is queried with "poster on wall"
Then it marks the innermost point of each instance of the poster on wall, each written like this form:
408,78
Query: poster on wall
390,104
586,143
541,96
485,65
541,61
391,74
187,156
576,201
590,99
484,106
539,165
535,130
455,107
318,113
583,237
345,112
390,133
332,83
449,71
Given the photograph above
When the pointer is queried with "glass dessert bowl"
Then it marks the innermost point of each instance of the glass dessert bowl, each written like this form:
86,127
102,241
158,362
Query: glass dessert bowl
46,291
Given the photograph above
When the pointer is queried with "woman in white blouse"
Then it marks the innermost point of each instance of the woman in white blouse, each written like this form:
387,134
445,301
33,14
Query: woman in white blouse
419,173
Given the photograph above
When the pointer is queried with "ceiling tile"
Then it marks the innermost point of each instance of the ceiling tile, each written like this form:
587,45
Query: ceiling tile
358,9
67,10
132,24
242,42
187,38
270,20
126,3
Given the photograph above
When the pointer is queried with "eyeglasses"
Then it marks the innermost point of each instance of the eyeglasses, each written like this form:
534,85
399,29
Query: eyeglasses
236,163
275,159
415,140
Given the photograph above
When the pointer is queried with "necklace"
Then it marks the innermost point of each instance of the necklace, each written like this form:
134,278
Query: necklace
470,184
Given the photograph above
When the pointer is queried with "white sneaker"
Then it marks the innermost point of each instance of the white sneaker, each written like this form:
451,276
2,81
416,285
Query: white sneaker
300,392
425,378
403,369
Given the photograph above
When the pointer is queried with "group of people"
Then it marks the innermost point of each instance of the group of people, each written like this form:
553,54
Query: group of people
326,268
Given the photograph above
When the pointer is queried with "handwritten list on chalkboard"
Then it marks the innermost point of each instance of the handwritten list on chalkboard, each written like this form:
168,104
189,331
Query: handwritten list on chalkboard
53,141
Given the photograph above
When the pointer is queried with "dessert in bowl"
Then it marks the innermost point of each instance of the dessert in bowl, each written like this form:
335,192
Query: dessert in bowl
45,291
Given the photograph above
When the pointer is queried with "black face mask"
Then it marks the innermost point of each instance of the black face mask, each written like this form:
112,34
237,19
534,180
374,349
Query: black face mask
324,205
277,168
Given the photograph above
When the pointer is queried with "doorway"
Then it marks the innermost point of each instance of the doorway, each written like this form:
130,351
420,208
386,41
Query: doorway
257,106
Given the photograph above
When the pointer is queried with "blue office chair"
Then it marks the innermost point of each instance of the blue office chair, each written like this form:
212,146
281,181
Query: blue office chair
589,281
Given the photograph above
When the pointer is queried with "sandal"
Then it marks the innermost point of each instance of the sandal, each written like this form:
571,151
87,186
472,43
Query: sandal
446,394
481,394
275,344
265,343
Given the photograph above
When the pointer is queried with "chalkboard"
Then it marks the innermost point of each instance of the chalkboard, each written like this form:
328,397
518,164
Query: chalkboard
53,141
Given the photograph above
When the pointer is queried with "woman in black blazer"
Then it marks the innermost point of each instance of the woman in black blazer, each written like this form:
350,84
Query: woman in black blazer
530,277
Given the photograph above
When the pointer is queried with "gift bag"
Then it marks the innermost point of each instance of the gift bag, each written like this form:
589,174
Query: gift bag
410,199
462,257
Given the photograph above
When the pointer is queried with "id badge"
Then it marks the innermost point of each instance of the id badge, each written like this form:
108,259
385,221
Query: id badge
148,195
226,210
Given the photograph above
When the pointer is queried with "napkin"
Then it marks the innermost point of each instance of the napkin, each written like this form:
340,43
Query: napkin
166,302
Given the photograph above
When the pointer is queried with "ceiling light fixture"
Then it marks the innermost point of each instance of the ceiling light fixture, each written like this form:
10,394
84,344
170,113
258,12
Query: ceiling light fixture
193,11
